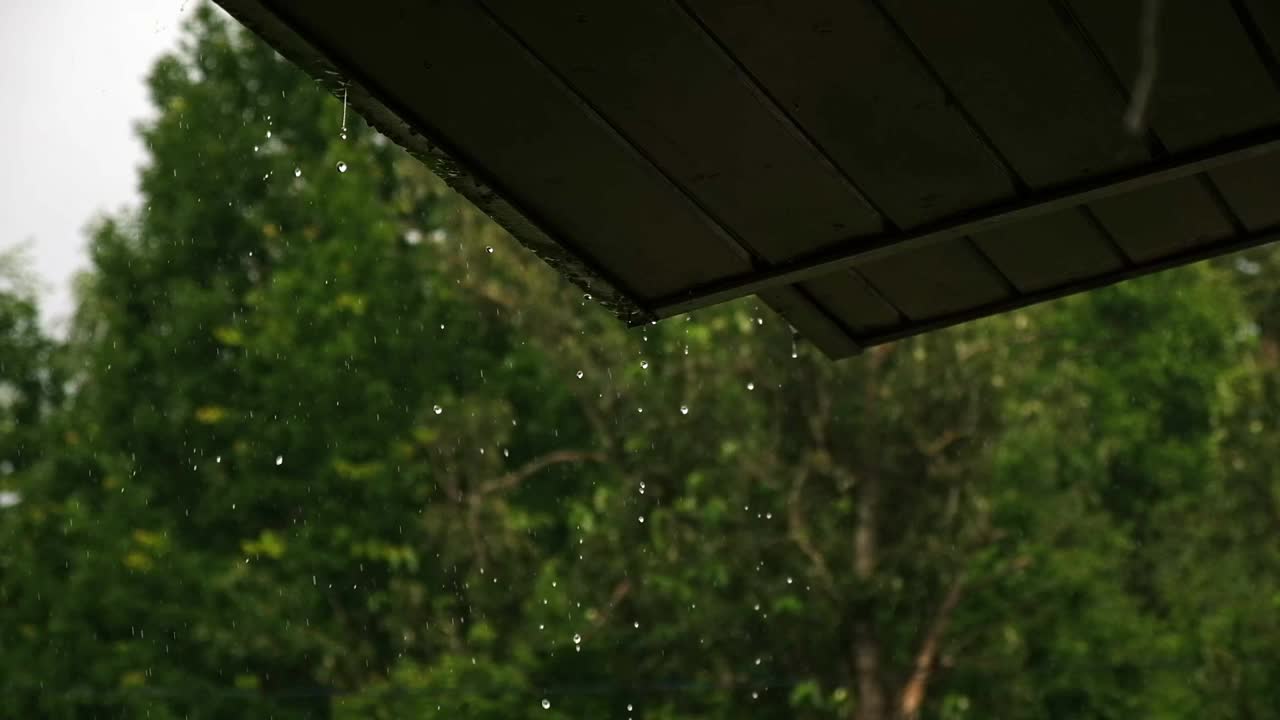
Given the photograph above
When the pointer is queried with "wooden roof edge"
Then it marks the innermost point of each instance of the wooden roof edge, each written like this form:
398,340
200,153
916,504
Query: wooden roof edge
364,97
1245,241
860,249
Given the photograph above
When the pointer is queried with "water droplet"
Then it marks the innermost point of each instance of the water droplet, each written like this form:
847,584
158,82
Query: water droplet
268,133
642,519
759,321
279,459
342,167
751,386
639,409
628,707
546,704
586,296
757,661
789,581
580,374
755,696
218,459
637,625
342,135
644,364
489,249
437,409
577,639
255,148
684,409
297,172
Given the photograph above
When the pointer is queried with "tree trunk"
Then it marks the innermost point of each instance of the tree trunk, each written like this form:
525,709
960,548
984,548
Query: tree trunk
871,703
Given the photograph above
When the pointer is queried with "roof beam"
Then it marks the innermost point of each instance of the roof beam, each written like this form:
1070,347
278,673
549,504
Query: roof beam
858,250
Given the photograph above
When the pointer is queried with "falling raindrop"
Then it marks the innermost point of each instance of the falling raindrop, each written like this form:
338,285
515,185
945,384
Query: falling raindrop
628,707
751,386
342,167
757,661
255,148
343,133
642,519
218,459
297,172
489,249
789,581
684,409
437,409
644,364
639,409
268,133
546,704
579,374
586,296
279,459
577,639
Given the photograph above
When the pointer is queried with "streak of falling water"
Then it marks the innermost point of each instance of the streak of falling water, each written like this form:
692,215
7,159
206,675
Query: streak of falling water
343,134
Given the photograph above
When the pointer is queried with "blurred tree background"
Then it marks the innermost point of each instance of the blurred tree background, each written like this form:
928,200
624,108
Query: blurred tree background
325,443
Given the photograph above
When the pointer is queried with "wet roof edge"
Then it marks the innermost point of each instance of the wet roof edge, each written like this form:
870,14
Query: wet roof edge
363,95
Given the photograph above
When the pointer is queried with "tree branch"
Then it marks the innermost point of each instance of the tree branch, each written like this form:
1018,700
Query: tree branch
799,534
557,457
913,691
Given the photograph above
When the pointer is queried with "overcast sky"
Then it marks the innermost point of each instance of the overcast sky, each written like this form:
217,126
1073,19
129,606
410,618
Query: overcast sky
71,83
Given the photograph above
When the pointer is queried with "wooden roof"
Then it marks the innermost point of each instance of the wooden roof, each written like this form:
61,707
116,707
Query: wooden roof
871,169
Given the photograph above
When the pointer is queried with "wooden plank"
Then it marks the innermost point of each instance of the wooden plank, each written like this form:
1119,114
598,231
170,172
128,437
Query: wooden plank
885,121
858,306
1163,220
508,117
1210,83
654,75
1196,254
936,280
386,114
802,311
711,133
1039,94
1049,251
1198,96
1033,88
1252,188
857,251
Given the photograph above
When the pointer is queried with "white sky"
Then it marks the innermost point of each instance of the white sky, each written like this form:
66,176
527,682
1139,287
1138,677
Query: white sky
71,84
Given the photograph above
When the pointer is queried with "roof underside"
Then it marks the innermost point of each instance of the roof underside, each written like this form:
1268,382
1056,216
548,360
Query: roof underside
871,169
